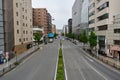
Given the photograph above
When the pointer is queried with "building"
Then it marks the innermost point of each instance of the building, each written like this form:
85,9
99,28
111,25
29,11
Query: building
15,25
23,34
80,16
76,16
70,25
54,28
49,23
101,14
113,38
84,16
2,39
42,18
65,29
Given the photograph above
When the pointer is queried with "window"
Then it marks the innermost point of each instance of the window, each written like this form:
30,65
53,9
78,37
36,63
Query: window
20,40
117,42
104,16
103,6
91,21
26,25
91,14
23,16
17,31
16,4
23,24
23,32
16,13
116,30
17,22
24,39
103,27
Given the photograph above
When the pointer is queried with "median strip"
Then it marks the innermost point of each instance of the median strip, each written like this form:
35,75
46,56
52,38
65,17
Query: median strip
60,69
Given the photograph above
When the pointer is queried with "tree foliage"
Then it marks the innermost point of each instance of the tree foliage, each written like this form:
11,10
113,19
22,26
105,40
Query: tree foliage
83,37
92,40
37,37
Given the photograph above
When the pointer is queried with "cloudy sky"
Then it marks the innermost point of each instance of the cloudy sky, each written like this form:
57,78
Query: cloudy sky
60,10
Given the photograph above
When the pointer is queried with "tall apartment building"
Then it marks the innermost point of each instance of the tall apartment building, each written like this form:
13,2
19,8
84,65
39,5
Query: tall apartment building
49,23
23,34
70,25
40,18
101,14
15,25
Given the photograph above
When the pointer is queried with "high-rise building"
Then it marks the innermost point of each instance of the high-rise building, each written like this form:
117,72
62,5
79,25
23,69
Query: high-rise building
2,39
49,23
40,18
76,16
15,25
80,16
23,34
101,14
70,25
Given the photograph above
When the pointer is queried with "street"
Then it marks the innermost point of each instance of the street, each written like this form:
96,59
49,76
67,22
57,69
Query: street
80,66
39,66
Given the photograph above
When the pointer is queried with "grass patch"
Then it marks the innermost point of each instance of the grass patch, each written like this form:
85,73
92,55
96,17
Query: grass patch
60,69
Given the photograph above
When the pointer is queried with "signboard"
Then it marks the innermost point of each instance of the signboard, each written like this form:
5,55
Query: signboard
50,35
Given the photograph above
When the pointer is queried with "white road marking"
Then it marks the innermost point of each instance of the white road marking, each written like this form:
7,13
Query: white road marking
56,66
95,70
90,59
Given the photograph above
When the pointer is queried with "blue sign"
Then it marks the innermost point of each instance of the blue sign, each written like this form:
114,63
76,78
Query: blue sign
50,35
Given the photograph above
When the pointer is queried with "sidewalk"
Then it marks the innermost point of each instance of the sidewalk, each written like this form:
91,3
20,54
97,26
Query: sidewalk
105,59
19,57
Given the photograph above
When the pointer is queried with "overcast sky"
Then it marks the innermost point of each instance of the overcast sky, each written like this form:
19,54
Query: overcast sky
60,10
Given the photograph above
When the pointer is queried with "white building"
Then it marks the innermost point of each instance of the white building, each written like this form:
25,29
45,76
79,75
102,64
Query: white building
101,14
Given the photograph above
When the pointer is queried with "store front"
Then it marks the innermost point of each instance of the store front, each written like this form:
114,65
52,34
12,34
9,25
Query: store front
115,52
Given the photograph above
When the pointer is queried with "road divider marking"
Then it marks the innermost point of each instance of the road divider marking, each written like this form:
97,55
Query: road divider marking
90,59
95,70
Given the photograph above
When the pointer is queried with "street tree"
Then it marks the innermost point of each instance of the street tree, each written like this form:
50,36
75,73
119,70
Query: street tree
92,40
83,37
37,37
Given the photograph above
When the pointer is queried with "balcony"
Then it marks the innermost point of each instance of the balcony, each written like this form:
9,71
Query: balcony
102,22
101,2
106,10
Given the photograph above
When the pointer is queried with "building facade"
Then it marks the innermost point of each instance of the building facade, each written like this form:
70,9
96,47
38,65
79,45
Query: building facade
40,18
76,16
2,39
113,38
101,14
54,28
23,33
49,23
80,16
70,25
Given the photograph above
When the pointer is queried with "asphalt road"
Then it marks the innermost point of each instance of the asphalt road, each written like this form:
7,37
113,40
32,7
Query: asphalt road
80,66
39,66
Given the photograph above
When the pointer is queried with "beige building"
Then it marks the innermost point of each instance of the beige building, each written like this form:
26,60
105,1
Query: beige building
23,33
40,18
53,28
113,38
101,14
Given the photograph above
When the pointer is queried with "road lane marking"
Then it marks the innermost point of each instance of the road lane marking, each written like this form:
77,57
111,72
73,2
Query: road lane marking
90,59
95,70
64,65
56,64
